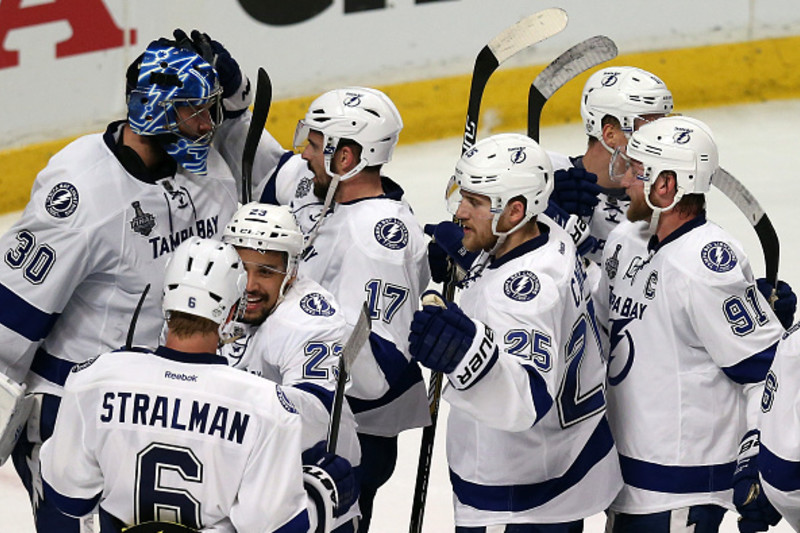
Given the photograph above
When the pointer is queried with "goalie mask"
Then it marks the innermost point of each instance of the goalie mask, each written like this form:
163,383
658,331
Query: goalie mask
263,228
503,167
167,87
204,278
626,93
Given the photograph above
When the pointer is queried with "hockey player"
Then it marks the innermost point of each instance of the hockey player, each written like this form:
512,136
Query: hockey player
293,329
369,248
691,340
232,440
528,444
614,103
780,454
104,216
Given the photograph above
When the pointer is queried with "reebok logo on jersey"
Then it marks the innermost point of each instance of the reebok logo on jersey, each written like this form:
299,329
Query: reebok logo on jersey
718,256
522,286
62,200
391,233
180,377
316,305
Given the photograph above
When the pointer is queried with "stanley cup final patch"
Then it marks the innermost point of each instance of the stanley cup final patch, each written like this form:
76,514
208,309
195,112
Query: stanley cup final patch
142,223
62,200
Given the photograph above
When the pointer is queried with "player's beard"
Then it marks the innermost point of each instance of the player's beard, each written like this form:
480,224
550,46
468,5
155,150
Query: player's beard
320,188
257,316
638,209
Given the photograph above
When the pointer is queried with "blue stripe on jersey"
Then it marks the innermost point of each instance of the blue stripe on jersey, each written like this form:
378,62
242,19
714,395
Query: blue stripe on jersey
50,367
298,524
391,361
754,368
321,393
542,401
676,479
70,506
411,376
518,498
782,474
269,195
28,320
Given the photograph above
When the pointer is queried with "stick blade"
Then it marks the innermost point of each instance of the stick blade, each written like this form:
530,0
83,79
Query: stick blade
580,58
530,30
357,338
261,105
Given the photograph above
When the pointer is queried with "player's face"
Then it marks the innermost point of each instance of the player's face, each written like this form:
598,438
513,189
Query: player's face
474,213
634,188
265,274
194,122
315,160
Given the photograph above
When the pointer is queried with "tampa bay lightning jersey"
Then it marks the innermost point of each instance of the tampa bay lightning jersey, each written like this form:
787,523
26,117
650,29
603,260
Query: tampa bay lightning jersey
373,250
89,241
173,436
528,442
691,340
779,457
298,347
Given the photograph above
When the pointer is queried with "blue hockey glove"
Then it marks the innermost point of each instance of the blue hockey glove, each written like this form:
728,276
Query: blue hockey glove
445,249
576,191
339,470
575,226
440,336
236,93
757,513
786,303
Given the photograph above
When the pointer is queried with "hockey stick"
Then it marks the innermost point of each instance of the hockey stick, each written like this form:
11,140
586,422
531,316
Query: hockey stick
580,58
135,318
350,351
261,104
749,206
514,39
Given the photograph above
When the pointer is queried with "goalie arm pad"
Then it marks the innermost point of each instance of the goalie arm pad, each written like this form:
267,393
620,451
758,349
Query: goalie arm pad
322,498
15,407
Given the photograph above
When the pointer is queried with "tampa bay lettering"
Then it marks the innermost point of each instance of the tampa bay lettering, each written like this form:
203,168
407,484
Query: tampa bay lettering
171,413
205,228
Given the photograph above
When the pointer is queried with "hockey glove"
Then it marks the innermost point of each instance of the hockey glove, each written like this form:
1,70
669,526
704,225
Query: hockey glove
446,250
236,93
440,336
338,469
786,300
575,226
576,191
757,513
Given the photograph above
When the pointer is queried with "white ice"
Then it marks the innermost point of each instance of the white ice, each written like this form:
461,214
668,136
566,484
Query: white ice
757,145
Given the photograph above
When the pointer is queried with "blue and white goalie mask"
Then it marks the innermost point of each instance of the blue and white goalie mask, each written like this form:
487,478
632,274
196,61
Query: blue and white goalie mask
176,98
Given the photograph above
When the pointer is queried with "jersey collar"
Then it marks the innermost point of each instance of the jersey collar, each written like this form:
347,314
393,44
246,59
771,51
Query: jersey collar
391,191
185,357
654,245
527,246
131,161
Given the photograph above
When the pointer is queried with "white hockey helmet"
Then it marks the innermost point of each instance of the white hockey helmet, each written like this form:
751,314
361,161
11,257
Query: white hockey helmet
679,144
363,115
626,93
502,167
205,278
265,227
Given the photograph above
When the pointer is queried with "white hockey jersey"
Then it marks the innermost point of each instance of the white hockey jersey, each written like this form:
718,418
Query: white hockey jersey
779,457
89,241
298,347
529,441
373,250
691,340
177,437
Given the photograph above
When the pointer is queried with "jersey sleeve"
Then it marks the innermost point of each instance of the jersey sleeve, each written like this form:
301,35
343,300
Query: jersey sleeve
70,469
45,258
271,495
779,457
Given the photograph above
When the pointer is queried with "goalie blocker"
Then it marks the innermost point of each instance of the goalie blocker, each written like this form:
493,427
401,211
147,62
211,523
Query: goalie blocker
15,406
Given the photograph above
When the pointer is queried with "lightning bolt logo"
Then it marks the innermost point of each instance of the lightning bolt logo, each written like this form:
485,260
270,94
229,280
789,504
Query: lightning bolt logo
522,286
391,233
62,200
